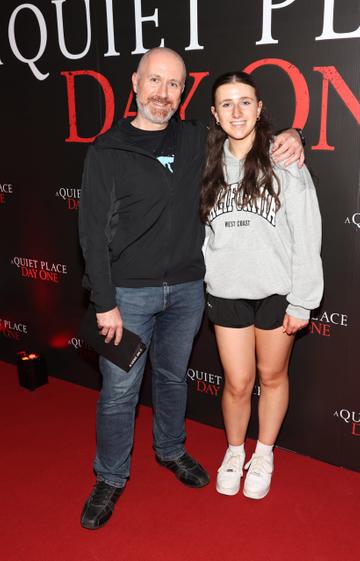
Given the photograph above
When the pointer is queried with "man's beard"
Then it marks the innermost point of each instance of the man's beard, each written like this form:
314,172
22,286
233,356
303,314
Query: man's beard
156,115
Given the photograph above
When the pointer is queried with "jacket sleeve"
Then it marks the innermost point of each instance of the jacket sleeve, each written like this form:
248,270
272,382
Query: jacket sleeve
303,215
95,212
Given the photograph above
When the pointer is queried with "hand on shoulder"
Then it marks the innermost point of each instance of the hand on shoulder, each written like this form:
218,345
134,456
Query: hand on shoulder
287,148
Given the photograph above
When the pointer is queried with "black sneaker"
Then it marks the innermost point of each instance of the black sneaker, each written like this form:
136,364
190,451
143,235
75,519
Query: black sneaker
100,505
187,470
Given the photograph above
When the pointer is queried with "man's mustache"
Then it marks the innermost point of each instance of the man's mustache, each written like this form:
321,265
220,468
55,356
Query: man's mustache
158,99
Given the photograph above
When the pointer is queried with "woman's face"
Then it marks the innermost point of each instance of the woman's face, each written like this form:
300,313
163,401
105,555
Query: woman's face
237,110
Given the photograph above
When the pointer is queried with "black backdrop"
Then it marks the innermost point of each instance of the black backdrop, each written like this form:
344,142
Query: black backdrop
65,75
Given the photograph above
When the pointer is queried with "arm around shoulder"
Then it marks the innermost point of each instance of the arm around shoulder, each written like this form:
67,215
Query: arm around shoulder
303,215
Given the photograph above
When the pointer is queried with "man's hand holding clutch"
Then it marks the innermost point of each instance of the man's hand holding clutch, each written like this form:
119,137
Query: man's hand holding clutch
110,325
98,330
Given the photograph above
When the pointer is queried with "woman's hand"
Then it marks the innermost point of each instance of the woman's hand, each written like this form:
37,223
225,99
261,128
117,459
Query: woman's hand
288,148
291,325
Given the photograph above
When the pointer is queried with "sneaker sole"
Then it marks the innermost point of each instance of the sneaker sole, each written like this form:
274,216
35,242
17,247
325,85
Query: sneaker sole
226,491
256,495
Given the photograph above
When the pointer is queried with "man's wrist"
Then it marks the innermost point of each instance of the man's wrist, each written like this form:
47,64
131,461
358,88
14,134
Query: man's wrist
302,137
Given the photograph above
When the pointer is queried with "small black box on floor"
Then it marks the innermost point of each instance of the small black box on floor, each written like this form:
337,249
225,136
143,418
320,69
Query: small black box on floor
32,370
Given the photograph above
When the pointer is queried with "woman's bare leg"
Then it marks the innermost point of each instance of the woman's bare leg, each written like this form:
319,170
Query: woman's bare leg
237,352
273,349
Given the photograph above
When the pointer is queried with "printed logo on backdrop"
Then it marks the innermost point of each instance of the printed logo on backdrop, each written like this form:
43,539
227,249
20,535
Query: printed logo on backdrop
70,196
38,269
351,418
264,34
322,323
6,190
82,348
205,382
354,220
208,383
13,329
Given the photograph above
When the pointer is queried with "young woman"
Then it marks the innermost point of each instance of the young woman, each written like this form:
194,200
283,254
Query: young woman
263,271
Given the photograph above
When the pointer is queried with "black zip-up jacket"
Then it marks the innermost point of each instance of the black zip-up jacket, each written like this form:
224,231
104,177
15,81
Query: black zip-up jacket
139,223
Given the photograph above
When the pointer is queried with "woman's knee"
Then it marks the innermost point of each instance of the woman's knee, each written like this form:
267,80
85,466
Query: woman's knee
271,377
239,388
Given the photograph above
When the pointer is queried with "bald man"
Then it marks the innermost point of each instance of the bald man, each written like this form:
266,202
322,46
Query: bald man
141,239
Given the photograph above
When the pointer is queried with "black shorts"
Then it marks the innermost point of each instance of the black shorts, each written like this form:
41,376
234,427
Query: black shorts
266,313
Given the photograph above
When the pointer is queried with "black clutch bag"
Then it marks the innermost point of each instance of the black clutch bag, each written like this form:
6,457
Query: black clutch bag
124,355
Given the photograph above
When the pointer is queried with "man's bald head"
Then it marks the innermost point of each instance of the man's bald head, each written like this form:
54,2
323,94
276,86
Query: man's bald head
162,51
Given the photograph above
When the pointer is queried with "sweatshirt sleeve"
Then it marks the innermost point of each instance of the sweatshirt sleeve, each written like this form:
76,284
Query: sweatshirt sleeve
95,211
303,216
206,239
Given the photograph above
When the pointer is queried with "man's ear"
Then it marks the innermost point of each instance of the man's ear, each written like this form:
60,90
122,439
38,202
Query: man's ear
134,79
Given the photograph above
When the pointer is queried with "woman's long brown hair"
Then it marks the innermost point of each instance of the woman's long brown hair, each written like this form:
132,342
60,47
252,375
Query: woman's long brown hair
258,176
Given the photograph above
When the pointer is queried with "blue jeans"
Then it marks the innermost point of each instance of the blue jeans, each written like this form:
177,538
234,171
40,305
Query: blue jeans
167,319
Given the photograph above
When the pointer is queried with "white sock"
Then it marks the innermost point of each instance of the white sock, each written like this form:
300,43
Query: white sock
263,449
237,450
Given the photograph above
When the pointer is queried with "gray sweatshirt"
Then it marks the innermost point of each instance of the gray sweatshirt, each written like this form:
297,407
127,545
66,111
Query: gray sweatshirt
254,252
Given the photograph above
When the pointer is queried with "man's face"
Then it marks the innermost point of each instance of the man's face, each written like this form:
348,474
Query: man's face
158,87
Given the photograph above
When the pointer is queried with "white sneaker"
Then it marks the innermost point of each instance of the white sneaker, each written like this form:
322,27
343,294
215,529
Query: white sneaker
230,473
258,478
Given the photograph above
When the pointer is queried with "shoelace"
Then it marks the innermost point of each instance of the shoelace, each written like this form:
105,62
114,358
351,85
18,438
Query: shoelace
232,464
258,465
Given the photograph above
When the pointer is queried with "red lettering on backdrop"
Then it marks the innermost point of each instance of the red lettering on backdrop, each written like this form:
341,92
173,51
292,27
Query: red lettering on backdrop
127,112
72,204
302,98
330,74
198,77
355,429
318,328
10,334
109,103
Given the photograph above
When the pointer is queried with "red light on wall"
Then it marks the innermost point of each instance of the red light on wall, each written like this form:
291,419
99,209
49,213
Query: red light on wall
61,340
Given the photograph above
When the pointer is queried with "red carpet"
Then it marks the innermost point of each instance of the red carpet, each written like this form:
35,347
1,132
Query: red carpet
312,513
